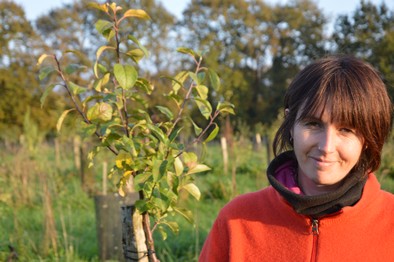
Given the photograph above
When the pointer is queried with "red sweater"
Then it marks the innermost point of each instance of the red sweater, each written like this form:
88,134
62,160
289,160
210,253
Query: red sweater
262,226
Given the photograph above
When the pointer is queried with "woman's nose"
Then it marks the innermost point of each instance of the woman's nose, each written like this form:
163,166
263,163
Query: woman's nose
327,141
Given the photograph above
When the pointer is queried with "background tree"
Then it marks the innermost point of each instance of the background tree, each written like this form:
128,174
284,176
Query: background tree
231,33
19,86
256,47
369,34
296,36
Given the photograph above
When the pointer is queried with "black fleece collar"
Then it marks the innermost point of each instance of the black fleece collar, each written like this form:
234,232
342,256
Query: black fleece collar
317,206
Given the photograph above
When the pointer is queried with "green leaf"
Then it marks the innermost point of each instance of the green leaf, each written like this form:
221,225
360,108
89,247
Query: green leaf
157,132
186,214
194,77
162,232
167,112
48,89
160,201
141,205
214,79
159,169
201,76
172,225
226,107
187,51
202,91
174,134
87,130
197,129
140,179
135,41
126,75
61,119
105,28
72,68
129,145
45,71
76,89
138,13
204,106
136,54
213,134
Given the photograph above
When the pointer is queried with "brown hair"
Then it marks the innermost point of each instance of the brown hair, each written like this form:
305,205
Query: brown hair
358,98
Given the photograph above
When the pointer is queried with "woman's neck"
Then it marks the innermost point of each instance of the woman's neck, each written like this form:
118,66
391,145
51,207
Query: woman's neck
312,188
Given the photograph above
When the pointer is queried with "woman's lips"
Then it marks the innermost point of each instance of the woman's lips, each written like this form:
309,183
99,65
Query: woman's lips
320,162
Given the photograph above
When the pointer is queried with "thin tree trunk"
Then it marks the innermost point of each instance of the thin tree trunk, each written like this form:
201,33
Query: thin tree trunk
223,142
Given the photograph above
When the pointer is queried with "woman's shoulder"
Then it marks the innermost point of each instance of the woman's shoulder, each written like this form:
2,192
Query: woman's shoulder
388,198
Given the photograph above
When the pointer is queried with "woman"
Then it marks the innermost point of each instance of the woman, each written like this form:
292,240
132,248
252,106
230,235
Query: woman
324,202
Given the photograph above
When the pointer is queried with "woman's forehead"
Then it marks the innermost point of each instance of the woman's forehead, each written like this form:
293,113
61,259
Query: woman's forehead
327,112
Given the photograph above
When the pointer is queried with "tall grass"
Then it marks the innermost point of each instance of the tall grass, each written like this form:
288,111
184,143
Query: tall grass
45,214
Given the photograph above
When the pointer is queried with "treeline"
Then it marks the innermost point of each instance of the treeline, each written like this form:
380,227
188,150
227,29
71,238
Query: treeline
256,47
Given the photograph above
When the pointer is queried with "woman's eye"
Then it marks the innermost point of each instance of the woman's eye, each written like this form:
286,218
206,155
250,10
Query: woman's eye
347,130
312,124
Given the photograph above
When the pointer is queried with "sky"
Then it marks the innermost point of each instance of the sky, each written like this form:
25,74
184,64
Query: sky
332,8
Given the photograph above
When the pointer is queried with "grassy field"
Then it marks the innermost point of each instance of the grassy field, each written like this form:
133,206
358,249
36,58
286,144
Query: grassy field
48,214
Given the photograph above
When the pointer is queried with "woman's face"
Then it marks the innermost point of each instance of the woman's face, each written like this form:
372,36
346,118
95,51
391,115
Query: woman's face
325,151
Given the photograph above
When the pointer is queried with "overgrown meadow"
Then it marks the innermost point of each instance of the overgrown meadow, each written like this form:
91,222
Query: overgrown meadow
47,200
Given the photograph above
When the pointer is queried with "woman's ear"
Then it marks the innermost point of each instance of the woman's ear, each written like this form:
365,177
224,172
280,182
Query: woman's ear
287,111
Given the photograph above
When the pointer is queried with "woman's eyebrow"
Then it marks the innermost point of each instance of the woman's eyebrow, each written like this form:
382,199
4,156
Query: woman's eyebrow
309,118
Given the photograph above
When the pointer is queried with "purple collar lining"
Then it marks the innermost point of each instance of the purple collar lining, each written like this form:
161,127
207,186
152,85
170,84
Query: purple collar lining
287,176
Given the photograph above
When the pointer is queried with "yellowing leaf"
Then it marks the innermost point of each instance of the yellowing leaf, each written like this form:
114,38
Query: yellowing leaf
138,13
177,83
202,91
178,166
61,119
42,58
100,111
102,7
193,190
198,169
204,106
123,157
98,54
121,192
